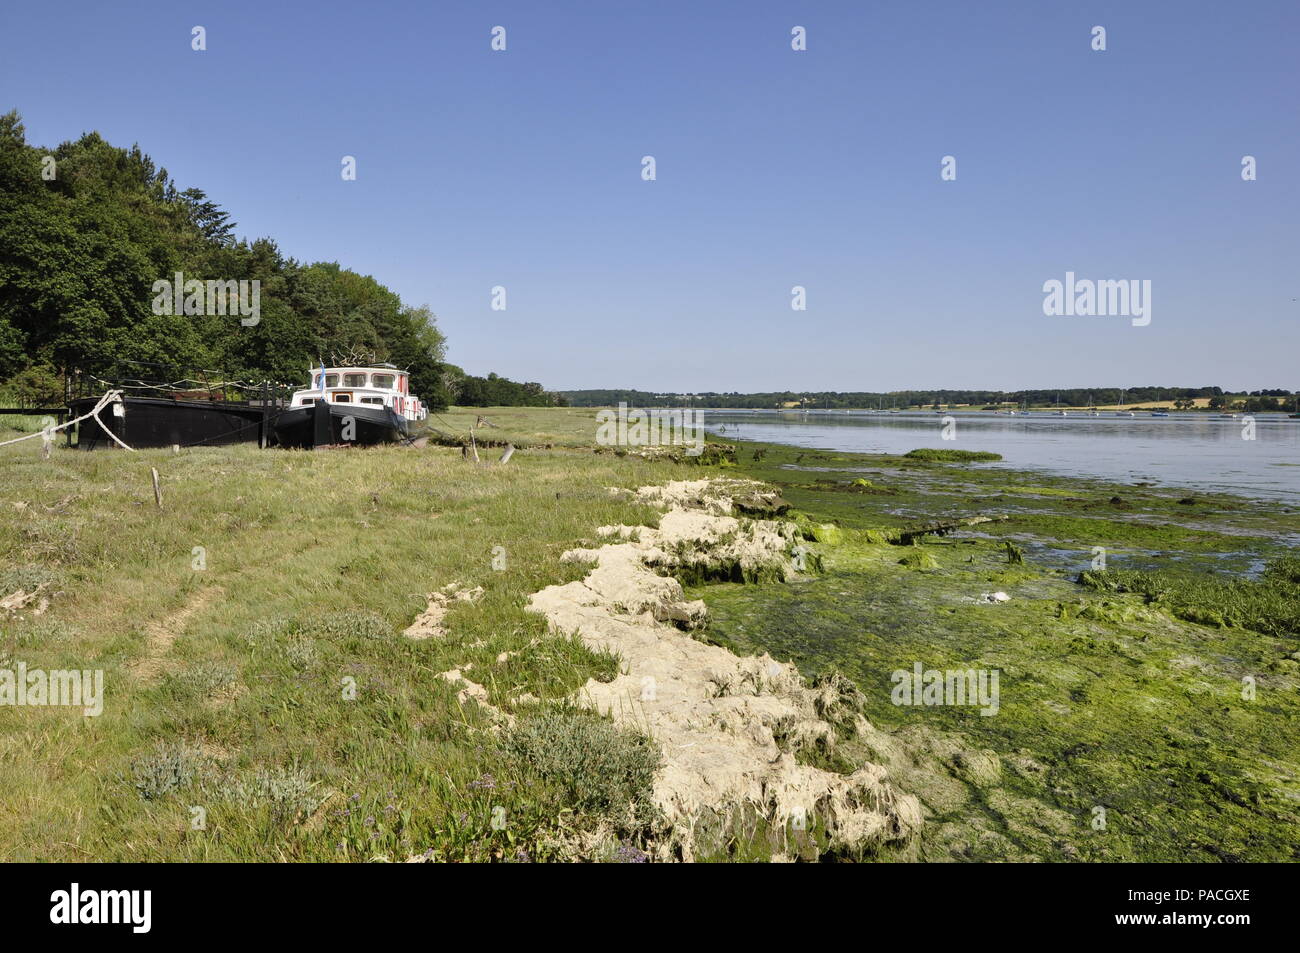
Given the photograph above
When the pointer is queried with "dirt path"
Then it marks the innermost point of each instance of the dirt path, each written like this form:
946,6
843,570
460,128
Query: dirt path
161,634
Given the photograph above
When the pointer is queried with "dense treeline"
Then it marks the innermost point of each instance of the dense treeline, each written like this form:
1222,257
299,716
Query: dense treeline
1067,397
86,230
467,390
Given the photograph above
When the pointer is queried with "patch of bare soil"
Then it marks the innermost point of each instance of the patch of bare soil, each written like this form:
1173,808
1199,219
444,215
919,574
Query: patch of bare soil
428,624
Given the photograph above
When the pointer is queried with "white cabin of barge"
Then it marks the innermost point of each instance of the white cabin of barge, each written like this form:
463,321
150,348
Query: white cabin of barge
379,385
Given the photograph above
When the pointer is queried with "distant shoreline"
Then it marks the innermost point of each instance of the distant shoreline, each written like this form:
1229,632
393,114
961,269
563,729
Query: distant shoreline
1194,451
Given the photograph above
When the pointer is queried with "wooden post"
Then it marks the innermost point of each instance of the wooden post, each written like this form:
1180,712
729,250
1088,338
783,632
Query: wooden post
505,457
266,410
157,489
472,445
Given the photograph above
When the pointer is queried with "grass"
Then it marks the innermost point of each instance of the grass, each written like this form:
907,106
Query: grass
522,426
22,424
271,692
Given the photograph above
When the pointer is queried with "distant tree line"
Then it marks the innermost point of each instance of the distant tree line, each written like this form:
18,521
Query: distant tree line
87,228
466,390
1255,402
828,400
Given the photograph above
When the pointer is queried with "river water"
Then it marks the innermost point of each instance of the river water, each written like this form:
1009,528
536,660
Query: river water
1196,451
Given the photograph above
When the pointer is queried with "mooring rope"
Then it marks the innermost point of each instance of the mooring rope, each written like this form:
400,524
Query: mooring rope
108,398
140,384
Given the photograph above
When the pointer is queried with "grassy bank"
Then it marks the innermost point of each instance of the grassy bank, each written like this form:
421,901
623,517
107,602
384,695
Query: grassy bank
540,427
257,682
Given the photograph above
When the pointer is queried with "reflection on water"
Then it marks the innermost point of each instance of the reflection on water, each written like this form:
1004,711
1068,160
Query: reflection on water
1193,450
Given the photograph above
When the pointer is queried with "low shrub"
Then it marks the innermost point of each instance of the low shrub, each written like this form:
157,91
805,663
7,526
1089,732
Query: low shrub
602,767
167,768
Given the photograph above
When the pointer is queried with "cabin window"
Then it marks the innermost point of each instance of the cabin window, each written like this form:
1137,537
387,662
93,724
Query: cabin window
382,381
372,400
342,398
354,380
331,380
308,401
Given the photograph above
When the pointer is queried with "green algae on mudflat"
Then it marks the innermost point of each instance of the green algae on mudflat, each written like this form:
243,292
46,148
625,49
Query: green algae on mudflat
931,455
827,533
1269,605
1122,708
1036,490
1078,514
1122,534
919,559
1123,732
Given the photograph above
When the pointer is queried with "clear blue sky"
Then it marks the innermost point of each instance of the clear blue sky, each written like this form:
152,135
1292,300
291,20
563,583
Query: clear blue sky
775,169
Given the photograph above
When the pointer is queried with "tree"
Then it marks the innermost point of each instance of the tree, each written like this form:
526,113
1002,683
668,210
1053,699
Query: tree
80,253
38,384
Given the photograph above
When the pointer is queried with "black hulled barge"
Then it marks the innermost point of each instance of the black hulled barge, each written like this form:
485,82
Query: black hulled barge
162,406
350,406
